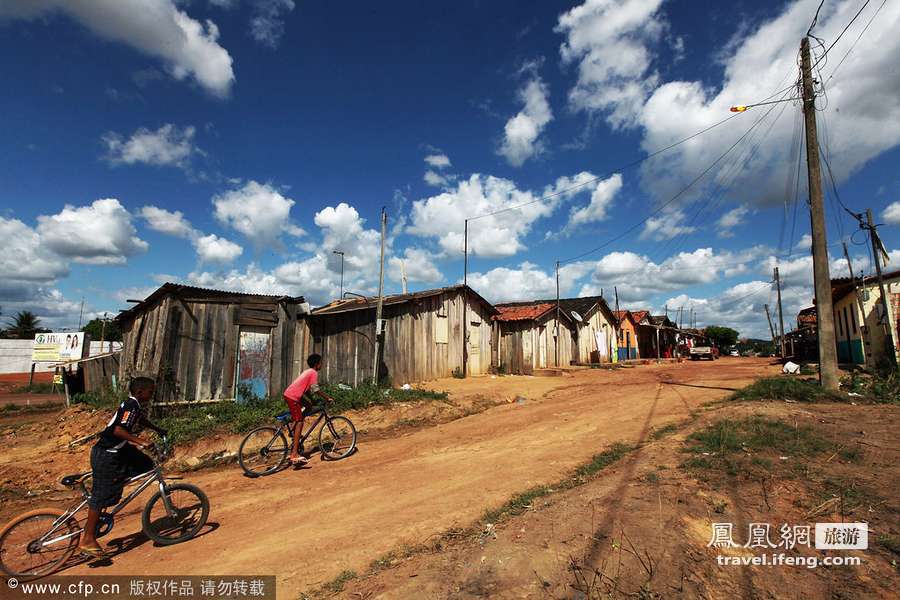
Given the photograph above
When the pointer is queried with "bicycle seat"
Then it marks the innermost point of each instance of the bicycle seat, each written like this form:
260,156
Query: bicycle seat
74,479
285,416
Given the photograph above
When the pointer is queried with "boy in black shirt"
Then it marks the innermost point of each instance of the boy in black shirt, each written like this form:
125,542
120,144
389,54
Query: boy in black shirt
115,457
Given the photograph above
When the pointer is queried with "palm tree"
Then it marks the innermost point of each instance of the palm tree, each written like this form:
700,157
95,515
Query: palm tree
24,325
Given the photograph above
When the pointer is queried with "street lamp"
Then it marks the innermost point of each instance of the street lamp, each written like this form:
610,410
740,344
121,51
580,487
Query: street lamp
342,271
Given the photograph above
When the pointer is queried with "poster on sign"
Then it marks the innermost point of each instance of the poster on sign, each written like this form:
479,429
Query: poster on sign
56,347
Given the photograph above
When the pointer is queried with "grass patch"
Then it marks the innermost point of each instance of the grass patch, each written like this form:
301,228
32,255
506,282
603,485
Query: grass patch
337,584
854,454
603,460
664,431
849,493
525,500
787,388
10,408
746,445
882,388
891,542
38,388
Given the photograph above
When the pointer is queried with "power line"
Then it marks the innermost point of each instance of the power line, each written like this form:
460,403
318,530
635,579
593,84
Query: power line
605,175
841,34
670,200
728,175
861,33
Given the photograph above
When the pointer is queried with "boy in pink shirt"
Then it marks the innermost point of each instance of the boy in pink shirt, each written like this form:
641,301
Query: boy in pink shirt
299,405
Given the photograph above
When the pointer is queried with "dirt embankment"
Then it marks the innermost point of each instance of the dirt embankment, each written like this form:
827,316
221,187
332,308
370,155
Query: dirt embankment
642,529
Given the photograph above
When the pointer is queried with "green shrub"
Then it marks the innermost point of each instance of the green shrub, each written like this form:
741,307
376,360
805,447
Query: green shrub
366,395
106,399
193,422
38,388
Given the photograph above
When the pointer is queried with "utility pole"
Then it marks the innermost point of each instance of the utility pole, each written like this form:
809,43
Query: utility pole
557,314
466,253
81,314
876,253
403,275
379,331
859,302
828,368
780,313
342,271
769,319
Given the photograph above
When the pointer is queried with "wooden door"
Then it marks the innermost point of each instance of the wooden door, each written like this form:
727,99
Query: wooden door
254,363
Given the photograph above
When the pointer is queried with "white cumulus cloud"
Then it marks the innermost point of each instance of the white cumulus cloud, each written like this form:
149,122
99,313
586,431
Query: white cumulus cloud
101,233
521,136
258,211
168,145
158,28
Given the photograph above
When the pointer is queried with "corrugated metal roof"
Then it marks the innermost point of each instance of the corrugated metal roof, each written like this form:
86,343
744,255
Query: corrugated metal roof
639,315
192,293
528,312
583,306
349,304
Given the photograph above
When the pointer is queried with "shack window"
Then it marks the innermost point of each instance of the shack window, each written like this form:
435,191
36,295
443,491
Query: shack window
441,329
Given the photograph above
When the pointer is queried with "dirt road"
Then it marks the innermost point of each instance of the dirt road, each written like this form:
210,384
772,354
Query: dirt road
308,526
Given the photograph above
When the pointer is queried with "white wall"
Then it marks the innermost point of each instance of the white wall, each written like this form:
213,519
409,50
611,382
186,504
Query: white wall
15,355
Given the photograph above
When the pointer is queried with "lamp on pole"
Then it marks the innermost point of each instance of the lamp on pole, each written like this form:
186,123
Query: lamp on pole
342,271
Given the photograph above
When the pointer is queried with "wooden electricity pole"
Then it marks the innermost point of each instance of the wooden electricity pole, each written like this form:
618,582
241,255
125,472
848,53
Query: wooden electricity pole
557,314
379,333
780,313
828,367
876,254
769,319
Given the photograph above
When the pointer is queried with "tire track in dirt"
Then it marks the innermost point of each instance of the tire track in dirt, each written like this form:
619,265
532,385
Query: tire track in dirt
402,490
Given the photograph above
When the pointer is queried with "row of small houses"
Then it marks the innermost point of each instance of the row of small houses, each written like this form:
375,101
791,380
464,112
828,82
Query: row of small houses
865,334
201,344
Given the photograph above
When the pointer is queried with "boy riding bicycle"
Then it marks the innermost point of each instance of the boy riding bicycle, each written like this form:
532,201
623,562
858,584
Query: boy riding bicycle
115,457
300,405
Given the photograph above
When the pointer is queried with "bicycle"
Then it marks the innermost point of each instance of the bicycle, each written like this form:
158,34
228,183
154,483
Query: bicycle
27,540
265,449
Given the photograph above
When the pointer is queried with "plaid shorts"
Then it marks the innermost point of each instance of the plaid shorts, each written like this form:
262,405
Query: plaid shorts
111,469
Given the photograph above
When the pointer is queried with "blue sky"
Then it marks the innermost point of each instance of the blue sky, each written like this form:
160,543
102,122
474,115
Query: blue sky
236,143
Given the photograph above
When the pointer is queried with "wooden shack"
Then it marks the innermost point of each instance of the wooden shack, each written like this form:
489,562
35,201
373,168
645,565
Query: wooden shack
201,344
423,337
528,339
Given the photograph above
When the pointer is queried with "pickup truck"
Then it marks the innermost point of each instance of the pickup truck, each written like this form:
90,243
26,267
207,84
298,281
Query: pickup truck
710,352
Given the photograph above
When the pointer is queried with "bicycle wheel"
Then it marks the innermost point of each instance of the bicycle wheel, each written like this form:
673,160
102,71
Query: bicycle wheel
20,554
337,438
190,508
263,451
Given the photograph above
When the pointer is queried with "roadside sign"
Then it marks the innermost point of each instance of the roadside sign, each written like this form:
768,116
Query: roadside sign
55,347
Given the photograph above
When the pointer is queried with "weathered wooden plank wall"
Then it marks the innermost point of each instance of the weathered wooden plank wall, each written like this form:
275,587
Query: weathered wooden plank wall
411,352
98,373
191,347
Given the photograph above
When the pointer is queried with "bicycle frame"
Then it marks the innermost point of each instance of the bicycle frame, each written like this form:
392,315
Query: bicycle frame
149,477
290,426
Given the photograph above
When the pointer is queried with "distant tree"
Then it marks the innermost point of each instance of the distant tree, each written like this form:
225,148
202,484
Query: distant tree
722,337
94,328
24,325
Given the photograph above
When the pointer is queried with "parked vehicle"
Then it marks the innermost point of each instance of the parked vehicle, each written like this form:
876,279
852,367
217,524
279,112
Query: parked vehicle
734,353
699,352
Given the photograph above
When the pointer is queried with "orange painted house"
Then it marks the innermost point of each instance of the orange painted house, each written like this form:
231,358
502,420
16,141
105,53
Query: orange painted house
627,337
